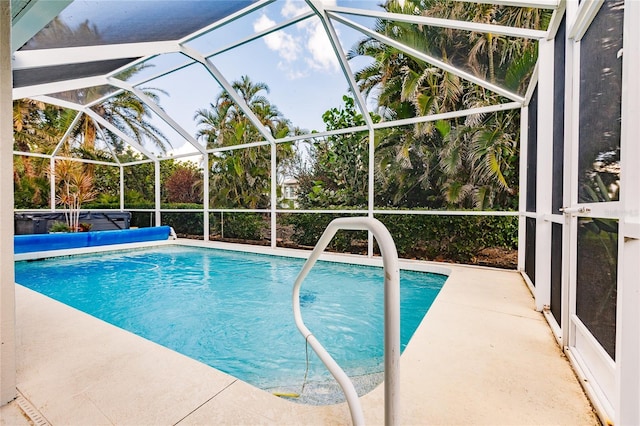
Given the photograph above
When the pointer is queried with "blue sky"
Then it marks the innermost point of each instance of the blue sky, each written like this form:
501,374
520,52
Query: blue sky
297,63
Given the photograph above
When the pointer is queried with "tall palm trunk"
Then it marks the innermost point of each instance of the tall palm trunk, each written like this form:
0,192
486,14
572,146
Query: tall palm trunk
492,67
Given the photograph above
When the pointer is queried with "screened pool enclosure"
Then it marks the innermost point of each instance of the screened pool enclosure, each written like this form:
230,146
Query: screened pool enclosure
512,122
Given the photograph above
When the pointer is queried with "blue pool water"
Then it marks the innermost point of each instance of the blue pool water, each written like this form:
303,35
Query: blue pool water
233,310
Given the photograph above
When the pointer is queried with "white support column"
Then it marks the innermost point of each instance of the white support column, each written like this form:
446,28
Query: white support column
570,188
567,187
274,195
522,199
7,285
371,194
205,196
156,164
121,188
544,173
52,184
627,408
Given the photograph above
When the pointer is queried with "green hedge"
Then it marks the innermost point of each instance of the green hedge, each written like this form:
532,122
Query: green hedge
454,238
189,223
142,219
451,238
308,227
244,226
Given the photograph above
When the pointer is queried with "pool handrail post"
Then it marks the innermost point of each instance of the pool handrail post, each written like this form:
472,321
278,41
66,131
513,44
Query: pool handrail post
391,271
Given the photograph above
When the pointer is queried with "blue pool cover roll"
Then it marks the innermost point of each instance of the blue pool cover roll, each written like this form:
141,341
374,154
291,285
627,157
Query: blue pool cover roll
45,242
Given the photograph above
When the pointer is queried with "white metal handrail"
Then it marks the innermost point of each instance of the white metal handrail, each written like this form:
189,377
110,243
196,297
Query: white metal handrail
391,316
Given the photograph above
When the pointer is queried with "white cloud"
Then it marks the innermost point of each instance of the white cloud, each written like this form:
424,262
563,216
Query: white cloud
329,3
290,72
322,55
262,23
280,41
293,8
307,41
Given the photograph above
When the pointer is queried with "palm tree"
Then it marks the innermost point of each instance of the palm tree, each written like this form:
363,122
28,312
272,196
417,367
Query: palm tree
130,115
241,178
39,127
477,51
472,160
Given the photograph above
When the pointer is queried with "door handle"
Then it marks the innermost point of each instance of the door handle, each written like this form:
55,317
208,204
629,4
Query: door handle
573,210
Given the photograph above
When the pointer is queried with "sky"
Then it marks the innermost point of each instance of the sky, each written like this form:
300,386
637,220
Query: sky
297,63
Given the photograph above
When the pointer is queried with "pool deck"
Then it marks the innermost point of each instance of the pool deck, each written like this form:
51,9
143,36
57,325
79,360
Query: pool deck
482,355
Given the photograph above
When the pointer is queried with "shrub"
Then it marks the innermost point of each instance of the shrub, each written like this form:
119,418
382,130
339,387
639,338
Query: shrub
308,228
59,227
190,223
245,226
454,238
184,186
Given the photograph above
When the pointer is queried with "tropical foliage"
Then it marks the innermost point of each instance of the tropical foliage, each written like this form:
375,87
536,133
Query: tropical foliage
459,163
75,187
457,238
241,177
337,174
40,128
184,185
469,162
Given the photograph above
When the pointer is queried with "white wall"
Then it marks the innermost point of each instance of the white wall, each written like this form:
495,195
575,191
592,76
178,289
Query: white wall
7,290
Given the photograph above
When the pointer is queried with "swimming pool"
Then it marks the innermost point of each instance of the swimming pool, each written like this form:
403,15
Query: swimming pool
232,310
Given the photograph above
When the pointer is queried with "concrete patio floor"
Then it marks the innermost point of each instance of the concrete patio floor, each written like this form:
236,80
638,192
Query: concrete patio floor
482,355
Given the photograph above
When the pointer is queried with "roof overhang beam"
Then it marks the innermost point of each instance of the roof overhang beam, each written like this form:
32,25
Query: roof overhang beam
445,23
86,161
27,59
239,146
319,135
533,83
263,33
58,86
67,133
449,115
138,162
239,43
556,20
106,142
80,160
113,129
587,11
